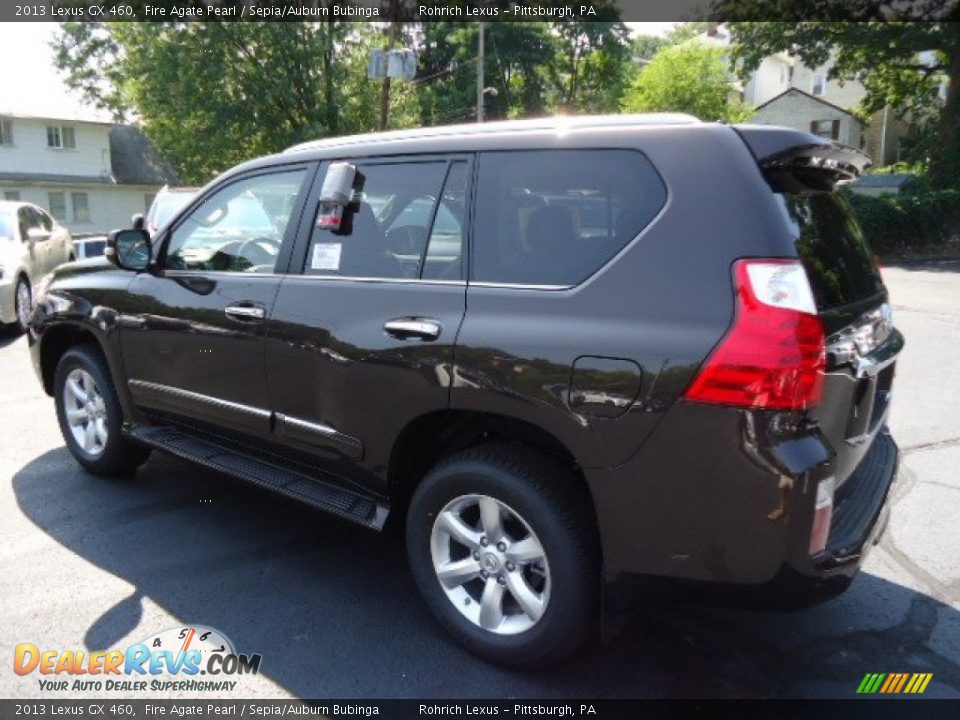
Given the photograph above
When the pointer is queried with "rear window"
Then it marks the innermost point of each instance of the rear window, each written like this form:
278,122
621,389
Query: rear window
555,217
833,249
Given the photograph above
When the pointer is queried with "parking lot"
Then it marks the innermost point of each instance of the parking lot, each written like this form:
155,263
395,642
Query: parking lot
91,564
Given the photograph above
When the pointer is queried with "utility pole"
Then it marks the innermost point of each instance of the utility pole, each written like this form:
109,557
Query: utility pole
385,90
480,76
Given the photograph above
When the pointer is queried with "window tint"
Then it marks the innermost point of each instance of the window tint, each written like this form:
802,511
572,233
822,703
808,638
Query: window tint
384,230
43,220
448,237
833,249
239,228
554,217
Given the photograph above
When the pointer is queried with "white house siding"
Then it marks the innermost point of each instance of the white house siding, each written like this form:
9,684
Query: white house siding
110,206
846,95
798,111
30,170
770,79
29,152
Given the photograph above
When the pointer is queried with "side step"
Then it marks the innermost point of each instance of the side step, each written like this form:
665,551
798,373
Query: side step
325,496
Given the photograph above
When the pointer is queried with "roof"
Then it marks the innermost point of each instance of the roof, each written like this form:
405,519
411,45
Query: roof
57,178
47,118
805,94
135,161
559,122
891,180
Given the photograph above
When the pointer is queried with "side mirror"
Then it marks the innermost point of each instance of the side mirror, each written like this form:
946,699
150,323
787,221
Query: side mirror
138,222
37,234
129,249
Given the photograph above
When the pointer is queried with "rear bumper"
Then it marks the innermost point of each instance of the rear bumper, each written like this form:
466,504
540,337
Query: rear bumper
714,508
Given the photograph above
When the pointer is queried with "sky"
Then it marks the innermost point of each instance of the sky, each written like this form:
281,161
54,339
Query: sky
30,85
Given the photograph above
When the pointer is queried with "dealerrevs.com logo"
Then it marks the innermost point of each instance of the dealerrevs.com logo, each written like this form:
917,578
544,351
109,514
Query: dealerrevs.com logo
188,659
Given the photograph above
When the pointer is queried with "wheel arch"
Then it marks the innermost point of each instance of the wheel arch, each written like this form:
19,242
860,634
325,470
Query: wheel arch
429,438
56,341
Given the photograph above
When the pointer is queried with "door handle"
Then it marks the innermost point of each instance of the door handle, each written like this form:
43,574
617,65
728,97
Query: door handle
423,328
245,313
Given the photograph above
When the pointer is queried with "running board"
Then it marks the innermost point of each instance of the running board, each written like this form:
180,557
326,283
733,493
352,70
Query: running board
325,496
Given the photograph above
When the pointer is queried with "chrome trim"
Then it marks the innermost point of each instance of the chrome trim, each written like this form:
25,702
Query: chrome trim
199,398
416,327
244,312
520,286
399,281
351,445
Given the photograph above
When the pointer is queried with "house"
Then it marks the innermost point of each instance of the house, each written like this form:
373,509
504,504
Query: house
795,108
784,91
91,176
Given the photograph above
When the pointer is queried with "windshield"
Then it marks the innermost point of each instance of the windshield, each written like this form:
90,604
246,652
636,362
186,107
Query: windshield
167,206
7,226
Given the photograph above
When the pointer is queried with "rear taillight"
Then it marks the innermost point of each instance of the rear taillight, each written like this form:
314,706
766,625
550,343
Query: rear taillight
822,515
772,357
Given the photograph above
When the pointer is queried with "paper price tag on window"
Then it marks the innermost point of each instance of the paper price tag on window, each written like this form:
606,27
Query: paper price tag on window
326,256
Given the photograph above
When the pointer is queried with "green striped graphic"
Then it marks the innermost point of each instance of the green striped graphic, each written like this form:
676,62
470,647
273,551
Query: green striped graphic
870,683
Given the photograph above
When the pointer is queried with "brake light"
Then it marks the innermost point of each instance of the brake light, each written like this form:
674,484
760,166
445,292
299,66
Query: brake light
772,357
822,515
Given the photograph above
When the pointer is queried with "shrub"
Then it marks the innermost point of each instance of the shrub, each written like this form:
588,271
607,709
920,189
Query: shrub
908,221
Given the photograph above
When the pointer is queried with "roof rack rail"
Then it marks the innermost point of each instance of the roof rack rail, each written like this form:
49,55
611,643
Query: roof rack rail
558,122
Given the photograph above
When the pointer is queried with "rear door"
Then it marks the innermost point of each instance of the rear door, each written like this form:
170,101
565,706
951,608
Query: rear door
361,338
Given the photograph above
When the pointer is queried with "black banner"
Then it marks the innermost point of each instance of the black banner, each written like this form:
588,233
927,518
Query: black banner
471,10
539,709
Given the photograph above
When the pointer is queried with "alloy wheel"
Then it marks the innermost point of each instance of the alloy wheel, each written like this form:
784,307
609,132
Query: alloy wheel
490,564
86,411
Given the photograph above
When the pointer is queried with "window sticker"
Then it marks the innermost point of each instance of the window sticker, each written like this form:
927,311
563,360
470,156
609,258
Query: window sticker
326,256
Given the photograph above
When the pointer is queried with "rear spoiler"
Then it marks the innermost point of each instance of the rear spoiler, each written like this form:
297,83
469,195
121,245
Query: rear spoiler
793,161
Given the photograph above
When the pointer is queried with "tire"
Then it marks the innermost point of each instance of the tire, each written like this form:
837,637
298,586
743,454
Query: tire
22,301
109,453
536,497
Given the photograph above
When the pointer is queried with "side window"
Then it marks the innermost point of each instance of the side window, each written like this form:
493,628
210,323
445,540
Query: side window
239,228
43,220
555,217
385,228
25,222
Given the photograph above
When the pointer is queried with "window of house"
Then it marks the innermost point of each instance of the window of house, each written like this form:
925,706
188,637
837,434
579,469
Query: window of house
406,221
11,195
829,129
81,207
57,203
61,137
6,132
819,84
239,228
555,217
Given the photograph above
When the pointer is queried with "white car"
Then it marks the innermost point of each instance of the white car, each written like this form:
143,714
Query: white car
31,245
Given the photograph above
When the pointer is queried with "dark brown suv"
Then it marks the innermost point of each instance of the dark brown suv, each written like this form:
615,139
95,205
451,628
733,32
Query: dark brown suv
571,354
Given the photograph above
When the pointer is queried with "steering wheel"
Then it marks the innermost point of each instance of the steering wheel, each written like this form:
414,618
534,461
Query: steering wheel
234,255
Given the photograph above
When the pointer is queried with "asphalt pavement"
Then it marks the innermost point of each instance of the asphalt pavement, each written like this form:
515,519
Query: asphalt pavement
89,564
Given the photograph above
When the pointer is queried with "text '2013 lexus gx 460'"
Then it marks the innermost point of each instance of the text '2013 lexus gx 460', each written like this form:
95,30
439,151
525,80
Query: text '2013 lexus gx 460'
575,357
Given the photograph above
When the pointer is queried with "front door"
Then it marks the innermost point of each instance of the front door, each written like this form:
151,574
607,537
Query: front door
192,331
362,333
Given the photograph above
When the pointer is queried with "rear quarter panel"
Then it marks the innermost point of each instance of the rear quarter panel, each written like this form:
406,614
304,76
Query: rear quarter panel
662,302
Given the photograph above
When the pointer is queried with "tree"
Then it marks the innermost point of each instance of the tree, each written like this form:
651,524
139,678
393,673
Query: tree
901,61
692,77
592,67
